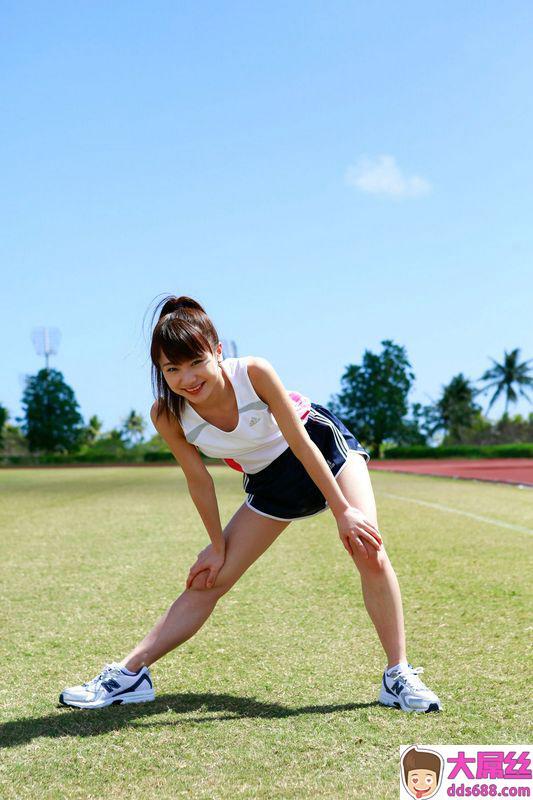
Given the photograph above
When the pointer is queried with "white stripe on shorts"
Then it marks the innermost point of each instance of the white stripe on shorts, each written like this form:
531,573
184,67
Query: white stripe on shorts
342,444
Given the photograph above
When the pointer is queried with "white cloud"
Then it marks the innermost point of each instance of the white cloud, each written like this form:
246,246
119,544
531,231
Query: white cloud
383,176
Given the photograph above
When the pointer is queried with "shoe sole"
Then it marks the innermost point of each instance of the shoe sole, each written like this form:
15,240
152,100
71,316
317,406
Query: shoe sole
395,704
138,697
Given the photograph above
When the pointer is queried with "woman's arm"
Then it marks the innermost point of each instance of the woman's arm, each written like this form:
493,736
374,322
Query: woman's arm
270,389
205,499
212,557
199,481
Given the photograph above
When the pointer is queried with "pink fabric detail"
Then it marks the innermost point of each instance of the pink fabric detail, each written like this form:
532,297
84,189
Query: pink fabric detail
302,404
233,464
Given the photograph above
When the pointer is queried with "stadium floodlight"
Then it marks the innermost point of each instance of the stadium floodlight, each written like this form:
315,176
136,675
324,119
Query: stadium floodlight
229,349
46,342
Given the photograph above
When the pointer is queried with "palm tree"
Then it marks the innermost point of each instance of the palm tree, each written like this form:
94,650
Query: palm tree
4,416
134,426
455,412
507,377
93,429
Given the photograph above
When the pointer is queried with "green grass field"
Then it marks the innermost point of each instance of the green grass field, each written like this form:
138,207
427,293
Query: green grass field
275,697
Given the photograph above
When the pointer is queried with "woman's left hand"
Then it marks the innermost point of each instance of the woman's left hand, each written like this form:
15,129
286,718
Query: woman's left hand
357,532
210,560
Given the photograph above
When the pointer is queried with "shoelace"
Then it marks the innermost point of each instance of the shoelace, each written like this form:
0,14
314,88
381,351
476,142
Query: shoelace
106,672
410,676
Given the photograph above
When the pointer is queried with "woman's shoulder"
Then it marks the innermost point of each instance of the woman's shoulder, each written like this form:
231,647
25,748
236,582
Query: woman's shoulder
259,366
246,372
259,371
163,417
266,381
256,363
245,364
254,366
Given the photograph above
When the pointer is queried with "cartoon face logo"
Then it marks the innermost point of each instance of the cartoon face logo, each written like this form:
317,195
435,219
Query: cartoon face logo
422,782
421,772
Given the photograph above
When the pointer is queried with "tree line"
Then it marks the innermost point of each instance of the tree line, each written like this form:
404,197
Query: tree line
51,422
373,402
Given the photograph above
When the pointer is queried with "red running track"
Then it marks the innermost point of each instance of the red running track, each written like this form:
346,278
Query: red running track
502,470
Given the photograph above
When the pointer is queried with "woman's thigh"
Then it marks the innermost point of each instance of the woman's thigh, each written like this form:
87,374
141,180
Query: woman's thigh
354,483
247,536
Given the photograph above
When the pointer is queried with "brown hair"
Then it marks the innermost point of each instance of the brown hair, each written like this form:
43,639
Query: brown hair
182,332
420,759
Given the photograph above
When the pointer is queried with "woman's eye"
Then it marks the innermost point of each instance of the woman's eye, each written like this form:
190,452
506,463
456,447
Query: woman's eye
196,361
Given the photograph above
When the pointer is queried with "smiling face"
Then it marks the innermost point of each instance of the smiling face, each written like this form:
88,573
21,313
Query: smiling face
193,379
421,782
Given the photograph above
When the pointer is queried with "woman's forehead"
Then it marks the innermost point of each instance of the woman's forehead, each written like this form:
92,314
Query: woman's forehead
175,359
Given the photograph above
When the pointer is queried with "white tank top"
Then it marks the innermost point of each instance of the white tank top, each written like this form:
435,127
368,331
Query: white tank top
257,439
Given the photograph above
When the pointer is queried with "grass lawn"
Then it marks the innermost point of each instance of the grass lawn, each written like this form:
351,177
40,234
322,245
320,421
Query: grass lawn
275,697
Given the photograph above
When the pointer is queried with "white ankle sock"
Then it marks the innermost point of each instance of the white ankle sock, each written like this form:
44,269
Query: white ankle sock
128,672
402,664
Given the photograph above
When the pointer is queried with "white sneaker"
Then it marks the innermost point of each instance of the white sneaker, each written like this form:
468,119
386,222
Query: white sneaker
112,686
403,689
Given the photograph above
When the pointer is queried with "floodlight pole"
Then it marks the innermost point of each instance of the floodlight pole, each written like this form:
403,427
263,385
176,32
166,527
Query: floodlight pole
229,348
46,347
46,343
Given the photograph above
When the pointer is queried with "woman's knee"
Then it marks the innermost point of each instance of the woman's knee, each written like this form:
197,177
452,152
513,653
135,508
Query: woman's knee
219,588
377,562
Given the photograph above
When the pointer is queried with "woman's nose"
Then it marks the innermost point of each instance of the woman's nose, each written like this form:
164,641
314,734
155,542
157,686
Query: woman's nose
187,379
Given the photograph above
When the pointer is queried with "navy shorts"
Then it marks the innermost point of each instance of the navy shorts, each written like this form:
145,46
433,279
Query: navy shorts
284,490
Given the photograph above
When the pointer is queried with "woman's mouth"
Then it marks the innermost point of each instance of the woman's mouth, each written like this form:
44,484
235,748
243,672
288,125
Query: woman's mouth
195,389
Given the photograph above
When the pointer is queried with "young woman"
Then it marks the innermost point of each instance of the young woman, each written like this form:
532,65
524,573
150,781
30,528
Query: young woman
297,459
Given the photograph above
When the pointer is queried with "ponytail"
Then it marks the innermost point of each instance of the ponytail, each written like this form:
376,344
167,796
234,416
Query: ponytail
182,303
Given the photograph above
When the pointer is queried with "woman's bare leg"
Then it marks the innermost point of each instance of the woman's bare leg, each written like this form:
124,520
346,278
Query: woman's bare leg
247,535
381,591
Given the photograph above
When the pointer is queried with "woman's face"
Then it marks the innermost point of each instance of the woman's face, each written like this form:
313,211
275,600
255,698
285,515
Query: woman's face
194,379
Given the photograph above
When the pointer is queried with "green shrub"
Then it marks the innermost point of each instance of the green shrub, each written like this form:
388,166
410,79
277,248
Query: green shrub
519,450
159,455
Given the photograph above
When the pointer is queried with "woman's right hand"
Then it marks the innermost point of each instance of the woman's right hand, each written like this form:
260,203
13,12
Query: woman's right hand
211,560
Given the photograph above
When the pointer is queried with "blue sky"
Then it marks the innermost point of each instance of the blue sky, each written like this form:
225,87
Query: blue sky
320,176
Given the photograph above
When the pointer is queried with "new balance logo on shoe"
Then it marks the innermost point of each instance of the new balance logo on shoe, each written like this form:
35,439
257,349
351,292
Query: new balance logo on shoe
111,684
397,687
136,686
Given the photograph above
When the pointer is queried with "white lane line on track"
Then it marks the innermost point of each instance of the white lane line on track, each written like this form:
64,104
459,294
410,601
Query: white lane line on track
450,510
